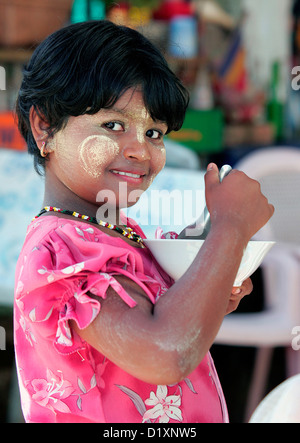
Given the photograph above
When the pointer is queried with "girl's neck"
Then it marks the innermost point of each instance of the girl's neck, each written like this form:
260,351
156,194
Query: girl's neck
58,195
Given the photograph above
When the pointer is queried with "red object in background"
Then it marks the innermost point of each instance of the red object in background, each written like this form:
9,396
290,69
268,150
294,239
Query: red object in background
170,9
10,136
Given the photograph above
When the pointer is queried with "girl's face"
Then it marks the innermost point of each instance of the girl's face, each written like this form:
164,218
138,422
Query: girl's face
116,151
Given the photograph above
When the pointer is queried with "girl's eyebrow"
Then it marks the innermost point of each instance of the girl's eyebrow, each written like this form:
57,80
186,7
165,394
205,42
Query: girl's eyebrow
112,111
118,110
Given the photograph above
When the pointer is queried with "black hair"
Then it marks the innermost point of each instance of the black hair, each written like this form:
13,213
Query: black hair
87,66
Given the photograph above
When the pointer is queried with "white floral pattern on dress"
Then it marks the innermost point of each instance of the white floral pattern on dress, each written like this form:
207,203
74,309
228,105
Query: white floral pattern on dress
164,406
50,393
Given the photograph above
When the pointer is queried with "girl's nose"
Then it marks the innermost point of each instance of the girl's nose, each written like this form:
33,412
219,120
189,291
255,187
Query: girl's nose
136,149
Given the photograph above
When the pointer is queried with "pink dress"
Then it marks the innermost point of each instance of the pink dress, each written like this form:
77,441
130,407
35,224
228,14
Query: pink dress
61,377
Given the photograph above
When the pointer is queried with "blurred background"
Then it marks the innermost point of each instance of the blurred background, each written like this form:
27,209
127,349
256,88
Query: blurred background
240,59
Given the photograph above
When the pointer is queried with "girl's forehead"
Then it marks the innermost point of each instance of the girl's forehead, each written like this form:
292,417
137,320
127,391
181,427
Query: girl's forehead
130,105
132,101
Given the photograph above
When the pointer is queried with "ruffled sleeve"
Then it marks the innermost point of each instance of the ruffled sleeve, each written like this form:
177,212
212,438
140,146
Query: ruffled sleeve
56,276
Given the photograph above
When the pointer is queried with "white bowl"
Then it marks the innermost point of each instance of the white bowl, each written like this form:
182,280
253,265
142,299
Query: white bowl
175,256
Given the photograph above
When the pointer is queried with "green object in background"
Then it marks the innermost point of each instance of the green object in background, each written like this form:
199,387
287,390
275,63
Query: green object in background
275,115
202,131
274,107
83,10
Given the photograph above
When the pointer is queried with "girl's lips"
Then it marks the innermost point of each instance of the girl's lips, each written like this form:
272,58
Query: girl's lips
133,177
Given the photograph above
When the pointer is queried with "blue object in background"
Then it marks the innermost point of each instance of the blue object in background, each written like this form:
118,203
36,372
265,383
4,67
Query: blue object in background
83,10
183,41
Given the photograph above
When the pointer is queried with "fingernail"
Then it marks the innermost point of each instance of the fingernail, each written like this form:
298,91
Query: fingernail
236,291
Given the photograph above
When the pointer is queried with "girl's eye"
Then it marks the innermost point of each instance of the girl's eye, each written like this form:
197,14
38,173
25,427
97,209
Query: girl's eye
154,134
114,126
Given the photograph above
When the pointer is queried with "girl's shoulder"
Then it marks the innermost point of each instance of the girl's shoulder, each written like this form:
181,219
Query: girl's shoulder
44,227
68,241
58,248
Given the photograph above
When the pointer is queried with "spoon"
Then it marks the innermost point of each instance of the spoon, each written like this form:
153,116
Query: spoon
224,171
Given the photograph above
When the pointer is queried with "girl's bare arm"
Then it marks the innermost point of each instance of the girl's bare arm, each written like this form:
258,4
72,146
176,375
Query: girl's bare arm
162,344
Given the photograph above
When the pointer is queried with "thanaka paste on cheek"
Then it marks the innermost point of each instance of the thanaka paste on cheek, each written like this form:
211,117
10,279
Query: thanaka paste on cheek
95,152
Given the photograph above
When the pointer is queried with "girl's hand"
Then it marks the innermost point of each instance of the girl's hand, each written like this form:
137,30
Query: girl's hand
237,294
237,202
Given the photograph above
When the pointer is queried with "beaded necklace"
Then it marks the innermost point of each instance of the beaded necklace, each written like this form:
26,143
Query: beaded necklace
128,232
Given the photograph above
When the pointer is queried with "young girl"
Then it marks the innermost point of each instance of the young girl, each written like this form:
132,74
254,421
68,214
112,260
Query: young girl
102,333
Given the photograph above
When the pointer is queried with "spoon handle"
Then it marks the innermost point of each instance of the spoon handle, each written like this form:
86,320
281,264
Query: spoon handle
224,171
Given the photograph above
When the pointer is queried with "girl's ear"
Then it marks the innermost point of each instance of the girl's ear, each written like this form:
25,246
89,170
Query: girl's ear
39,128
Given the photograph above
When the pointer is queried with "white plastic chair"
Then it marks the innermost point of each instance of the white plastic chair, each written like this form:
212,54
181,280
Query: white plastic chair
278,171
